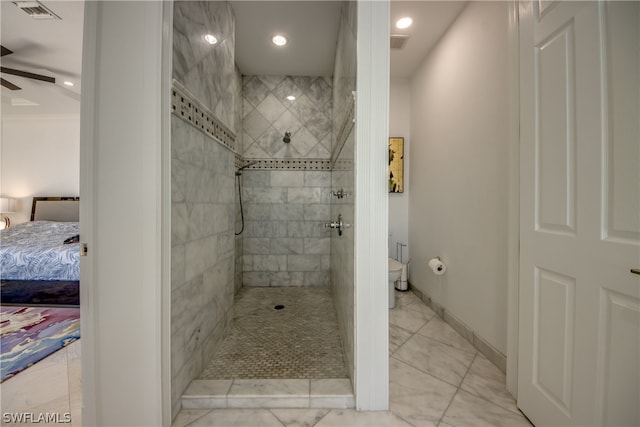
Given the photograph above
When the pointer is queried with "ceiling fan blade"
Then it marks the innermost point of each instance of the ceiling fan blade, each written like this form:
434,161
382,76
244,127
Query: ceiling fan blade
28,75
5,51
9,85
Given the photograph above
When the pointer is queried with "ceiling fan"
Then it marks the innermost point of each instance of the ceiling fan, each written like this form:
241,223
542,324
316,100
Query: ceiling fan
19,73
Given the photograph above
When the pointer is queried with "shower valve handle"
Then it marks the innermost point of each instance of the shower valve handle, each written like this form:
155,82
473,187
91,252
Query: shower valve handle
338,225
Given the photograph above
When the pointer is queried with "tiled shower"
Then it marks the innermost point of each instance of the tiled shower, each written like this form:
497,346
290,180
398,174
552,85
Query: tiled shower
223,120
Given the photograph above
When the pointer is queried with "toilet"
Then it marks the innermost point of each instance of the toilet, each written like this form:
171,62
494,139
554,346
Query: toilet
395,270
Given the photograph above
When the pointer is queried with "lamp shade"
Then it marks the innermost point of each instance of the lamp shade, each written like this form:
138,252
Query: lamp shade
7,205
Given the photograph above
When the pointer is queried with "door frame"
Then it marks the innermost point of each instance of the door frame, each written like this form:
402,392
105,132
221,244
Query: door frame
513,243
371,324
146,207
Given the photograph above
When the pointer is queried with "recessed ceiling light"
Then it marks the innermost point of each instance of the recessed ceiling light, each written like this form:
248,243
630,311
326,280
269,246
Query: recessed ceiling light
68,83
404,22
211,39
291,98
279,40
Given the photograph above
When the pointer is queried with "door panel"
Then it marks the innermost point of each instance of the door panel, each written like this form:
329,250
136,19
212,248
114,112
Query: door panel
553,333
555,142
619,361
579,325
621,121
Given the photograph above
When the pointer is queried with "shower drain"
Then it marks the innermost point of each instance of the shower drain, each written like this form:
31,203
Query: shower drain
279,307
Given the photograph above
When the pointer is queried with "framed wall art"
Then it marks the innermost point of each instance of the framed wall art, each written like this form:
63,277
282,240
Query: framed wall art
396,164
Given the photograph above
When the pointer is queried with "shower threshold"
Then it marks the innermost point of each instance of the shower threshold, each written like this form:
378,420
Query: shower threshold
269,393
283,351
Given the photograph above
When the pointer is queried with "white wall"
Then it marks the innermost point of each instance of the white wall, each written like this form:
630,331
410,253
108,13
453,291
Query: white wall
459,207
399,125
40,157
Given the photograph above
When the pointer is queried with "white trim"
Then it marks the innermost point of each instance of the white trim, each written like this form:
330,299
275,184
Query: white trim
87,162
122,206
513,252
39,117
165,209
371,210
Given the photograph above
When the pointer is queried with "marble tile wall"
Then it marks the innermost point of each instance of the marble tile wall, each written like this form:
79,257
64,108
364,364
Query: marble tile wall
344,75
203,191
342,247
202,253
207,71
268,114
285,242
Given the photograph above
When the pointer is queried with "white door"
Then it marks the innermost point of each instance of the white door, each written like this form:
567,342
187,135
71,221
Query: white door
579,326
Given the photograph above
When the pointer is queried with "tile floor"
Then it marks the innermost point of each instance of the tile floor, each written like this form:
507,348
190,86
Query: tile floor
436,379
53,385
298,341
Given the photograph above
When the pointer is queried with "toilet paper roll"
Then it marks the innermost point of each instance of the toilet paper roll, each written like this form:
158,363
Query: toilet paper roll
438,267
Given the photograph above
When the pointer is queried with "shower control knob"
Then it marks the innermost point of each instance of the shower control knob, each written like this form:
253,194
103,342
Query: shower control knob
338,225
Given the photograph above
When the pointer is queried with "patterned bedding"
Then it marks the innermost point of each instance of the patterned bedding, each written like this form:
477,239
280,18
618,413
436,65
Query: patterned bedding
35,251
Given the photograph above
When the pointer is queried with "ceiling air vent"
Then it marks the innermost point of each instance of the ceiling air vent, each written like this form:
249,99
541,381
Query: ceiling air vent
36,10
398,41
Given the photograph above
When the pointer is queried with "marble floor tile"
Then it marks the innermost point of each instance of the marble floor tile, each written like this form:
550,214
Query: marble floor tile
208,388
202,394
187,416
468,410
417,397
299,417
438,330
405,298
397,337
440,360
408,319
353,418
269,394
44,386
238,418
74,372
485,380
331,393
420,307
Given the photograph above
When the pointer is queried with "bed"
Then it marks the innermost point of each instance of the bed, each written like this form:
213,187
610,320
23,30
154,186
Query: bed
37,267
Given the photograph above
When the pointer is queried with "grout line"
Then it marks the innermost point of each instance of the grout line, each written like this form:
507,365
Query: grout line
457,390
276,417
322,417
196,419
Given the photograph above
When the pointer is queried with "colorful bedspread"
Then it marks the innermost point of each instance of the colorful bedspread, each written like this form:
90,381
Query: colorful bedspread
36,251
29,334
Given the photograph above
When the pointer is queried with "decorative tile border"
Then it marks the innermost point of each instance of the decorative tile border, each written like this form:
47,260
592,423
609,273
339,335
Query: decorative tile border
290,164
186,106
342,165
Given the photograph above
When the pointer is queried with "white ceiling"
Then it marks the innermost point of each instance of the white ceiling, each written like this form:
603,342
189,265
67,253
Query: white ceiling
48,47
54,47
310,26
431,19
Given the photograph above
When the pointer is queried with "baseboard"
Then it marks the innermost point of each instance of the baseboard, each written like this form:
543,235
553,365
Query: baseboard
490,352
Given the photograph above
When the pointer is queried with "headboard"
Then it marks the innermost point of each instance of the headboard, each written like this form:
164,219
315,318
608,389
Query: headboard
63,209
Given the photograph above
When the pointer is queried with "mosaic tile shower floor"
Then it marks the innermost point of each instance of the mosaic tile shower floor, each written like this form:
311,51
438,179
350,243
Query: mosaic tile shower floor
299,341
